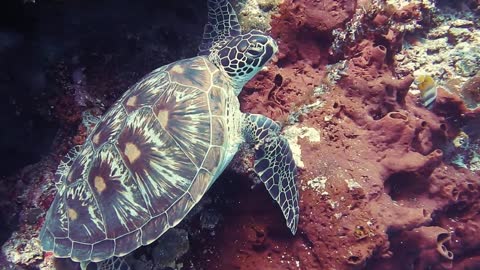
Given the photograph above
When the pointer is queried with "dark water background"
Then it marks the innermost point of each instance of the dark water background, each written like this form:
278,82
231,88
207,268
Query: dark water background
100,37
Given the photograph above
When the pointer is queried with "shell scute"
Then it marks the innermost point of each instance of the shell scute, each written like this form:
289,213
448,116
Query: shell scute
162,170
184,114
47,239
218,131
214,158
84,217
127,243
217,101
81,252
179,209
63,247
146,91
109,127
193,72
102,250
155,227
200,184
80,165
116,193
56,221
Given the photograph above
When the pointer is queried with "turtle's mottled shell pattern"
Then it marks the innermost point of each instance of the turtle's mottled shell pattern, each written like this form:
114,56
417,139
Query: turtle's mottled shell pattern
145,164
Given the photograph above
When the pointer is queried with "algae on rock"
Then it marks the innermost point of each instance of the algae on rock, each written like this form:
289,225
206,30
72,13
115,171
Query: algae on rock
255,14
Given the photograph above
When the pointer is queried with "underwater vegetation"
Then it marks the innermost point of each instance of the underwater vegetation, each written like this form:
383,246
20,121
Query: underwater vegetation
378,99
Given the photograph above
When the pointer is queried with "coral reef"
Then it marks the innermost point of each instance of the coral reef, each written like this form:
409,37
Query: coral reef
33,190
255,14
443,49
378,176
421,248
385,182
471,91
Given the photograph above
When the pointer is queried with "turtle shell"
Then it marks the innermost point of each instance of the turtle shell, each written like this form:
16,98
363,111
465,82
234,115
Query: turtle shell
146,163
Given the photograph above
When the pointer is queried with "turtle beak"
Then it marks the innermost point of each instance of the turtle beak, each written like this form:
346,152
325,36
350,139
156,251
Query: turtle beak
274,59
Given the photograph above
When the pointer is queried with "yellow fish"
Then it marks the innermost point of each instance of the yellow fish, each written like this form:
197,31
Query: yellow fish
428,89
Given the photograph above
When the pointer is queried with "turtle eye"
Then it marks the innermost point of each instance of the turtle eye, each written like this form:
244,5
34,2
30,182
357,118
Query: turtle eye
255,52
258,39
242,46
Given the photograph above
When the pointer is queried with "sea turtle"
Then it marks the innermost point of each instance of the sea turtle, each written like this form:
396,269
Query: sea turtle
158,149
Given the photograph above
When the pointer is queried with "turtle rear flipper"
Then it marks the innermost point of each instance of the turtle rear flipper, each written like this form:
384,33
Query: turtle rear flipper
65,165
222,24
89,120
274,164
114,263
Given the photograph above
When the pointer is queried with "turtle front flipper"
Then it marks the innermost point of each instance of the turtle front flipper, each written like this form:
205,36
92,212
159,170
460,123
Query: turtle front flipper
65,164
274,164
222,24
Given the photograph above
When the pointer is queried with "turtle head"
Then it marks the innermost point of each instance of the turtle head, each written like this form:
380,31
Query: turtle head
244,55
